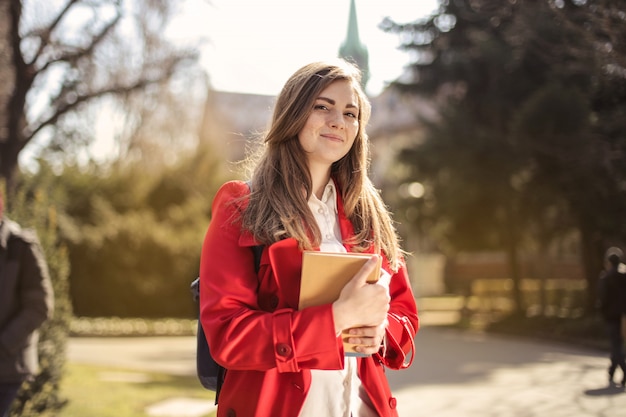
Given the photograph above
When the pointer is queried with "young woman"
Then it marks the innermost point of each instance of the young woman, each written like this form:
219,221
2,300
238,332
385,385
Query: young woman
309,191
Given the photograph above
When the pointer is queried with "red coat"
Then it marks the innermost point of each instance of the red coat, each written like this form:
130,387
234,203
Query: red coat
255,330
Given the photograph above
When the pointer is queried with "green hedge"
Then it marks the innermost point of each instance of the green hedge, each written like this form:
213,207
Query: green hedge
132,327
134,234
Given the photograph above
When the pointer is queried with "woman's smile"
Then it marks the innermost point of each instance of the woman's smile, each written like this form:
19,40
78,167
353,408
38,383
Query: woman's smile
331,137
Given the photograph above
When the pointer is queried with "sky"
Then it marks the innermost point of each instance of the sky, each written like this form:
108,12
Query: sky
253,46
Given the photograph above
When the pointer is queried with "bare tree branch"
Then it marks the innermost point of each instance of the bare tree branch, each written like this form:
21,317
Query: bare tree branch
93,43
68,106
45,34
52,76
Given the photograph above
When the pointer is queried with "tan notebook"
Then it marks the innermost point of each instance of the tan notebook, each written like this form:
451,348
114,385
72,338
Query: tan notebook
324,274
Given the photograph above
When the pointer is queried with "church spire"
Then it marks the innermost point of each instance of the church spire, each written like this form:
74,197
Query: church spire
352,49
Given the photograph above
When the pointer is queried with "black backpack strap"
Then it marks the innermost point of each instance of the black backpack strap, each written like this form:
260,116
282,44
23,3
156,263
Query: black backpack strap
258,252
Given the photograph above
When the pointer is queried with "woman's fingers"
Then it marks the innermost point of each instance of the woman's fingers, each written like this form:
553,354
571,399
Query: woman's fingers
367,338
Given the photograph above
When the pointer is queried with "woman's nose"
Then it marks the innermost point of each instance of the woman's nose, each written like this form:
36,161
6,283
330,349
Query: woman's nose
335,119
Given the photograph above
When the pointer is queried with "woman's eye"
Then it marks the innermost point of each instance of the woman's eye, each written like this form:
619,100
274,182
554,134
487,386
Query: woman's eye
350,114
320,107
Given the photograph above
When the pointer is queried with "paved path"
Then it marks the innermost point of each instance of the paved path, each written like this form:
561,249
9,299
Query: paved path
465,375
455,374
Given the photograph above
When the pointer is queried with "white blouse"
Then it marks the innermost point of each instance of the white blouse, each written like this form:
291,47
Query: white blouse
334,393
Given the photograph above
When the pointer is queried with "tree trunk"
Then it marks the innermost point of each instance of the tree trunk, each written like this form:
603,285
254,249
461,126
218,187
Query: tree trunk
512,243
543,273
7,75
8,156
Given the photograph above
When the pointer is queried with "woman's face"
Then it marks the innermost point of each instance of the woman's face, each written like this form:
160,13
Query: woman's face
332,126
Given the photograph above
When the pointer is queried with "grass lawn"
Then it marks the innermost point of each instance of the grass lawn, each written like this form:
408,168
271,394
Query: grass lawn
98,391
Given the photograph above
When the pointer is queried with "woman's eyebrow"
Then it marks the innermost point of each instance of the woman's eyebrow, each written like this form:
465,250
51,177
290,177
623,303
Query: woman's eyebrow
333,102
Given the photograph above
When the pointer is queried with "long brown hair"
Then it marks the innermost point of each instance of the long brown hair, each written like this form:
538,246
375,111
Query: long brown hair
281,182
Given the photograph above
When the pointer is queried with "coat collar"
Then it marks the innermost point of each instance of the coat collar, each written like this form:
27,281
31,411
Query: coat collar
6,229
285,256
285,259
345,226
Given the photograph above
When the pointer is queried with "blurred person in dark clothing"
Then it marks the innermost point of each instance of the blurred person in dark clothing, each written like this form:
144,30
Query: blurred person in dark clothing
26,301
612,303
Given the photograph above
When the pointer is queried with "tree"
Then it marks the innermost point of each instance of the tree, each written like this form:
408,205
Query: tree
466,160
530,105
65,57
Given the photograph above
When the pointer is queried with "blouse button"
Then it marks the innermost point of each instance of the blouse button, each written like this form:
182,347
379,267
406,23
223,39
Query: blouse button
320,210
283,349
231,413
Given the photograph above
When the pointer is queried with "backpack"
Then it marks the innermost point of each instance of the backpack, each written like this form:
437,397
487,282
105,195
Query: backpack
210,373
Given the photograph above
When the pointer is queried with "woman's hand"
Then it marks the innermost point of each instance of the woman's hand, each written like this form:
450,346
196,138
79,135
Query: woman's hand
362,306
367,339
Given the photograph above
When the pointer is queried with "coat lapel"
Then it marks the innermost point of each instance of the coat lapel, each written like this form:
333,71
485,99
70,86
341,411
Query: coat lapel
285,259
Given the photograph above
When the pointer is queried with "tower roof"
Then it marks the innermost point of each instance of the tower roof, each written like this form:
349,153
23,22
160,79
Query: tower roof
352,49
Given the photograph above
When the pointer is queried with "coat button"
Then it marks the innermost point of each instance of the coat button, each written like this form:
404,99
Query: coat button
393,402
231,413
283,349
274,302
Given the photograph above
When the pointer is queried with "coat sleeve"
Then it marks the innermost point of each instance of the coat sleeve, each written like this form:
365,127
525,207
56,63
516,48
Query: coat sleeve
398,349
34,291
241,335
601,301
